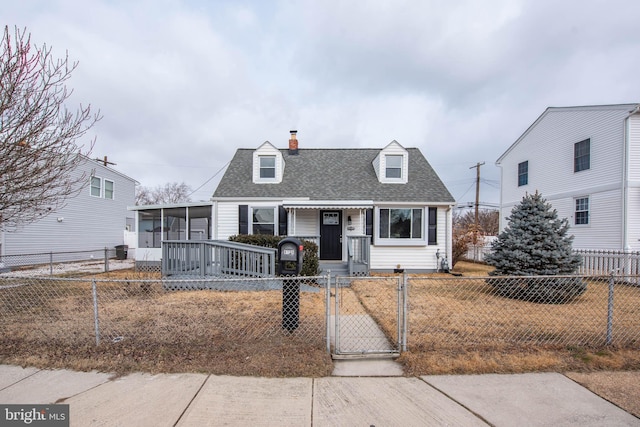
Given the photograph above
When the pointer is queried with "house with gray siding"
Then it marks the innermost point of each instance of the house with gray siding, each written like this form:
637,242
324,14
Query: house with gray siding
96,218
585,161
387,202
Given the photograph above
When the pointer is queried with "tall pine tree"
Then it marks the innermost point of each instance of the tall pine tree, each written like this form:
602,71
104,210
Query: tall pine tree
535,243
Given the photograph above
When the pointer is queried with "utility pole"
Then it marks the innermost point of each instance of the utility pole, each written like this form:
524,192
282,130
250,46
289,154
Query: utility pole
105,161
475,230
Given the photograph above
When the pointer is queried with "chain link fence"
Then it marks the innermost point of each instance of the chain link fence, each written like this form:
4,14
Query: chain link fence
460,313
206,312
368,315
57,263
209,318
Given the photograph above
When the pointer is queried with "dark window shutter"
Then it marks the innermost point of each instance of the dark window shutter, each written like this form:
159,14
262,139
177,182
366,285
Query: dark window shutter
282,221
369,223
243,219
433,226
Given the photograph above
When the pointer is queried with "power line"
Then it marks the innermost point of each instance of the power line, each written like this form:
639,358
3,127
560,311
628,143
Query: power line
207,181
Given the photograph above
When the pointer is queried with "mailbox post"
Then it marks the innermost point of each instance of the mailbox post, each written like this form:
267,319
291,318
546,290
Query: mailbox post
290,257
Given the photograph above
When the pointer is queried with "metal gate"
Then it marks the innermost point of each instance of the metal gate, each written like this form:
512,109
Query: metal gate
369,316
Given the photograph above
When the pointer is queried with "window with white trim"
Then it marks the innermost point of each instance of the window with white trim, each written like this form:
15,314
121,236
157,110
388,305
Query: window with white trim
267,166
401,223
96,186
108,189
263,220
582,211
393,166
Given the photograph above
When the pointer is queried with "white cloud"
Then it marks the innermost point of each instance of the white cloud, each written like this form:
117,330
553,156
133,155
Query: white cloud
182,84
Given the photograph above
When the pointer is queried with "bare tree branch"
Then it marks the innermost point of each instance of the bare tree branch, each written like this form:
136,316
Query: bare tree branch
39,149
171,192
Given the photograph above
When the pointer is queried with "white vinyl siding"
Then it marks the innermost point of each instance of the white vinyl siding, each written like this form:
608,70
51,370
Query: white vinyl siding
412,257
550,144
634,150
89,222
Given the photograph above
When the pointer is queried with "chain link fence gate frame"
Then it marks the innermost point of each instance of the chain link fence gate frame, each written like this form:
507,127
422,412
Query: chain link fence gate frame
369,316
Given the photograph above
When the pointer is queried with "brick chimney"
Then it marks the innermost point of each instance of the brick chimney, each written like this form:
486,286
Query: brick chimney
293,143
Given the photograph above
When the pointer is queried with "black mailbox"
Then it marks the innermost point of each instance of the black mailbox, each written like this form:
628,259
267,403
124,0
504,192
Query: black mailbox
290,257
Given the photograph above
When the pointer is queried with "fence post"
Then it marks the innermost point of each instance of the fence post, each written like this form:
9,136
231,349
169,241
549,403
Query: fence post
336,317
50,263
96,321
328,310
106,260
405,309
610,311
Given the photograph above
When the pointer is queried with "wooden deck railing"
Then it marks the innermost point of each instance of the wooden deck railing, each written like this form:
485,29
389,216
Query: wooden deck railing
358,251
217,258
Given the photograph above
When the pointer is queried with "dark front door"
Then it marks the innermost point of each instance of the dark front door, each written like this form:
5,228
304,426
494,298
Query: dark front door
330,235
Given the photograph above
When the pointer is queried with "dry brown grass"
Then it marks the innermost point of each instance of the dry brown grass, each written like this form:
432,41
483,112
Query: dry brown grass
458,325
454,327
144,328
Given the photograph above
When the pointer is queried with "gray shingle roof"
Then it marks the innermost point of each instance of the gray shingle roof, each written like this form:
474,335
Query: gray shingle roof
334,174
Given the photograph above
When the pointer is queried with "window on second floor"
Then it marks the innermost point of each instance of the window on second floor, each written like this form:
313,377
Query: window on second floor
267,166
523,173
108,189
96,186
393,166
582,211
582,155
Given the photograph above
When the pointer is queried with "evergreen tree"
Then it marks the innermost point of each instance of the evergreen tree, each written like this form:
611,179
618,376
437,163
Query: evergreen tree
535,243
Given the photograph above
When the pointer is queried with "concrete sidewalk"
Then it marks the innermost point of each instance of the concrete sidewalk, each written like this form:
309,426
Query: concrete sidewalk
97,399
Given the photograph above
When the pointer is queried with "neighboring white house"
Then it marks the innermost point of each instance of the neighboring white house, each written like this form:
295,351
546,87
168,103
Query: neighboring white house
96,218
585,161
390,199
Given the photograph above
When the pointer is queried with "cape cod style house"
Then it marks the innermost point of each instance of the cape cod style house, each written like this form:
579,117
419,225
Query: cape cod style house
378,207
585,161
388,203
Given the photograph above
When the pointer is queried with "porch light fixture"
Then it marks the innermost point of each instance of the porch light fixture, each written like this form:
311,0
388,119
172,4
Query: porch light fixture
349,220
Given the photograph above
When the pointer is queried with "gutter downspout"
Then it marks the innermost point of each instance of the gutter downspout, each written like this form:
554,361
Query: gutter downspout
625,181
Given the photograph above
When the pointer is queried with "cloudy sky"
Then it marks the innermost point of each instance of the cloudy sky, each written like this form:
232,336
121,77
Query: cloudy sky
182,84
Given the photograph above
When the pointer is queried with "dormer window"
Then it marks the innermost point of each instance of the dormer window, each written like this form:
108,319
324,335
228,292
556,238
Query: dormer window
394,166
267,166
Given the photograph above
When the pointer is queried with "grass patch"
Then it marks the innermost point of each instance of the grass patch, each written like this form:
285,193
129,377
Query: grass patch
457,325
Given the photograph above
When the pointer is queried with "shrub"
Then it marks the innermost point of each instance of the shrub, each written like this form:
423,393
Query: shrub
310,263
551,290
535,242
